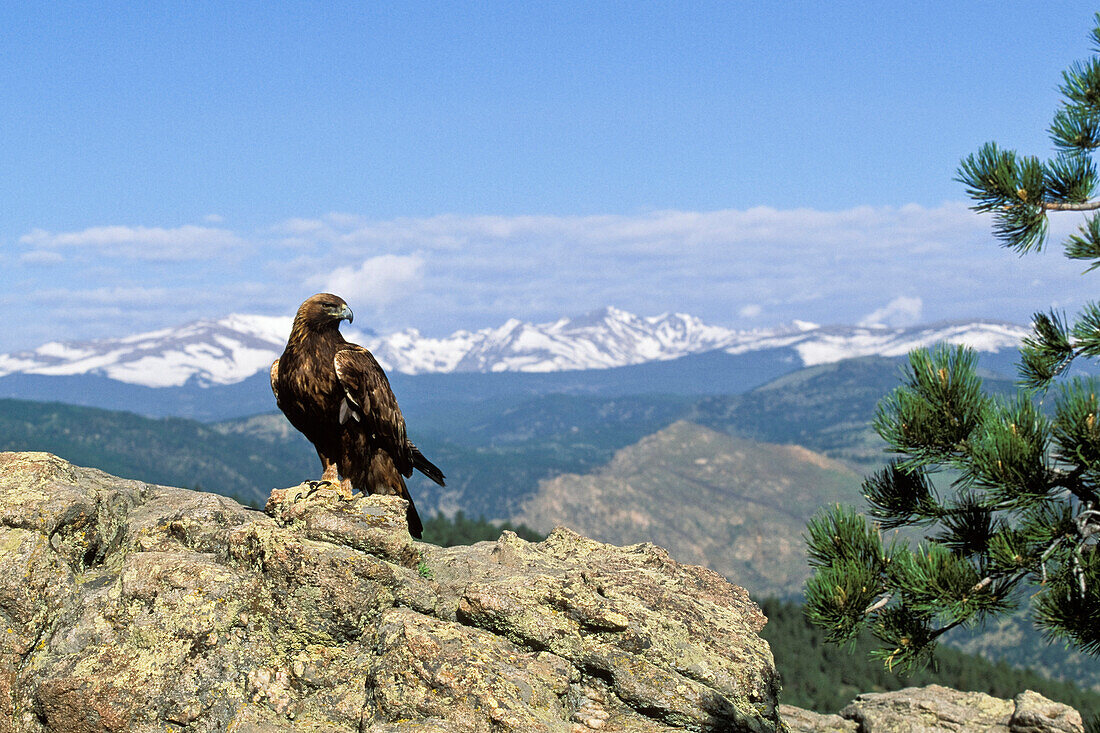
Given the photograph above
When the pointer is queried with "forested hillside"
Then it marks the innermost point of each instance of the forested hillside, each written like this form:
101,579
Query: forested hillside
494,450
825,677
171,451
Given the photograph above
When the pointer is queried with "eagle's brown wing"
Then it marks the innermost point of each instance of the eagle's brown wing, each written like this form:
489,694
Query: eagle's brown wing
275,379
369,401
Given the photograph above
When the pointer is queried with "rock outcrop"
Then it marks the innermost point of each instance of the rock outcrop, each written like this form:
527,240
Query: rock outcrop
132,607
936,709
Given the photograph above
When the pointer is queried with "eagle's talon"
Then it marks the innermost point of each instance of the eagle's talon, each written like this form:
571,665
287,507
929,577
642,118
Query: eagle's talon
315,485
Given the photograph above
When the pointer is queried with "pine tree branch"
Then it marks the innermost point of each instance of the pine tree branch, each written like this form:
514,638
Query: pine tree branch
940,632
1070,205
1046,555
981,585
880,603
1078,571
1071,482
1088,522
1028,492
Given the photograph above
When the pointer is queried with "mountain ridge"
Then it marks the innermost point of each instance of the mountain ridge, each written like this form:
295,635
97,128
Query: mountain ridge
229,350
740,504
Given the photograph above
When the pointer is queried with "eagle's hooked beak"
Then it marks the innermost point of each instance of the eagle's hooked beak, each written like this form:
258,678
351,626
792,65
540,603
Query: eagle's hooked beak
346,313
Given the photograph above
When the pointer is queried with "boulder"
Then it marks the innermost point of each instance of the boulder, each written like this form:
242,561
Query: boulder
132,607
807,721
936,709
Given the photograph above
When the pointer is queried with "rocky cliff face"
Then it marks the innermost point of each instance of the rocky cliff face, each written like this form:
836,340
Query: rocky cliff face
131,607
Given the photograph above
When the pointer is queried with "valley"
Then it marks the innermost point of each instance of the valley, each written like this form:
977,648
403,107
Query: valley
735,505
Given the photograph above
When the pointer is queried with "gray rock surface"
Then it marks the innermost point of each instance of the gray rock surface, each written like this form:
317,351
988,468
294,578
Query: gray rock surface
807,721
131,607
936,709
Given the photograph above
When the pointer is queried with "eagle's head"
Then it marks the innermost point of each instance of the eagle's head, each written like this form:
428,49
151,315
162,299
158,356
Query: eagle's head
323,311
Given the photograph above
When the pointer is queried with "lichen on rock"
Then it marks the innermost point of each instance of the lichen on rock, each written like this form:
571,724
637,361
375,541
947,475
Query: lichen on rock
132,607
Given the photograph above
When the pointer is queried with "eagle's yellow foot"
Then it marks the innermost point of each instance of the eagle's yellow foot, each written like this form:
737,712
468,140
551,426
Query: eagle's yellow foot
346,490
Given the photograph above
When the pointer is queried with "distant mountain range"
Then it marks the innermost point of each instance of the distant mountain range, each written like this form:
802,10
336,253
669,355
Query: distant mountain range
232,349
495,449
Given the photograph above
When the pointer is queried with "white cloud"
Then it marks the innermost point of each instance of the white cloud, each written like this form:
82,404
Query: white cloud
301,226
376,282
187,242
752,310
41,257
826,266
901,311
213,218
756,266
660,232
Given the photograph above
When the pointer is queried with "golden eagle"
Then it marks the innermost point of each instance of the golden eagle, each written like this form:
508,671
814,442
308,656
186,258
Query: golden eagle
337,395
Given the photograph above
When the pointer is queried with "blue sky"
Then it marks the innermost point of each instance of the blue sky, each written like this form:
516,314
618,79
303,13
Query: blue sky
449,165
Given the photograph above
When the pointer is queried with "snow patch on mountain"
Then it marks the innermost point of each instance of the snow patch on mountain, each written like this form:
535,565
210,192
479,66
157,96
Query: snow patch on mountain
212,352
233,348
832,345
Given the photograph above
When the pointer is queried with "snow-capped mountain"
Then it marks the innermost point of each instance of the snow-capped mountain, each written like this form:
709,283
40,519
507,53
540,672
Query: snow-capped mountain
599,340
231,349
827,344
213,352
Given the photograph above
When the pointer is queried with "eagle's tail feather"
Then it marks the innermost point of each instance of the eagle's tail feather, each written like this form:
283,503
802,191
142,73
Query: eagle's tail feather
416,527
426,467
